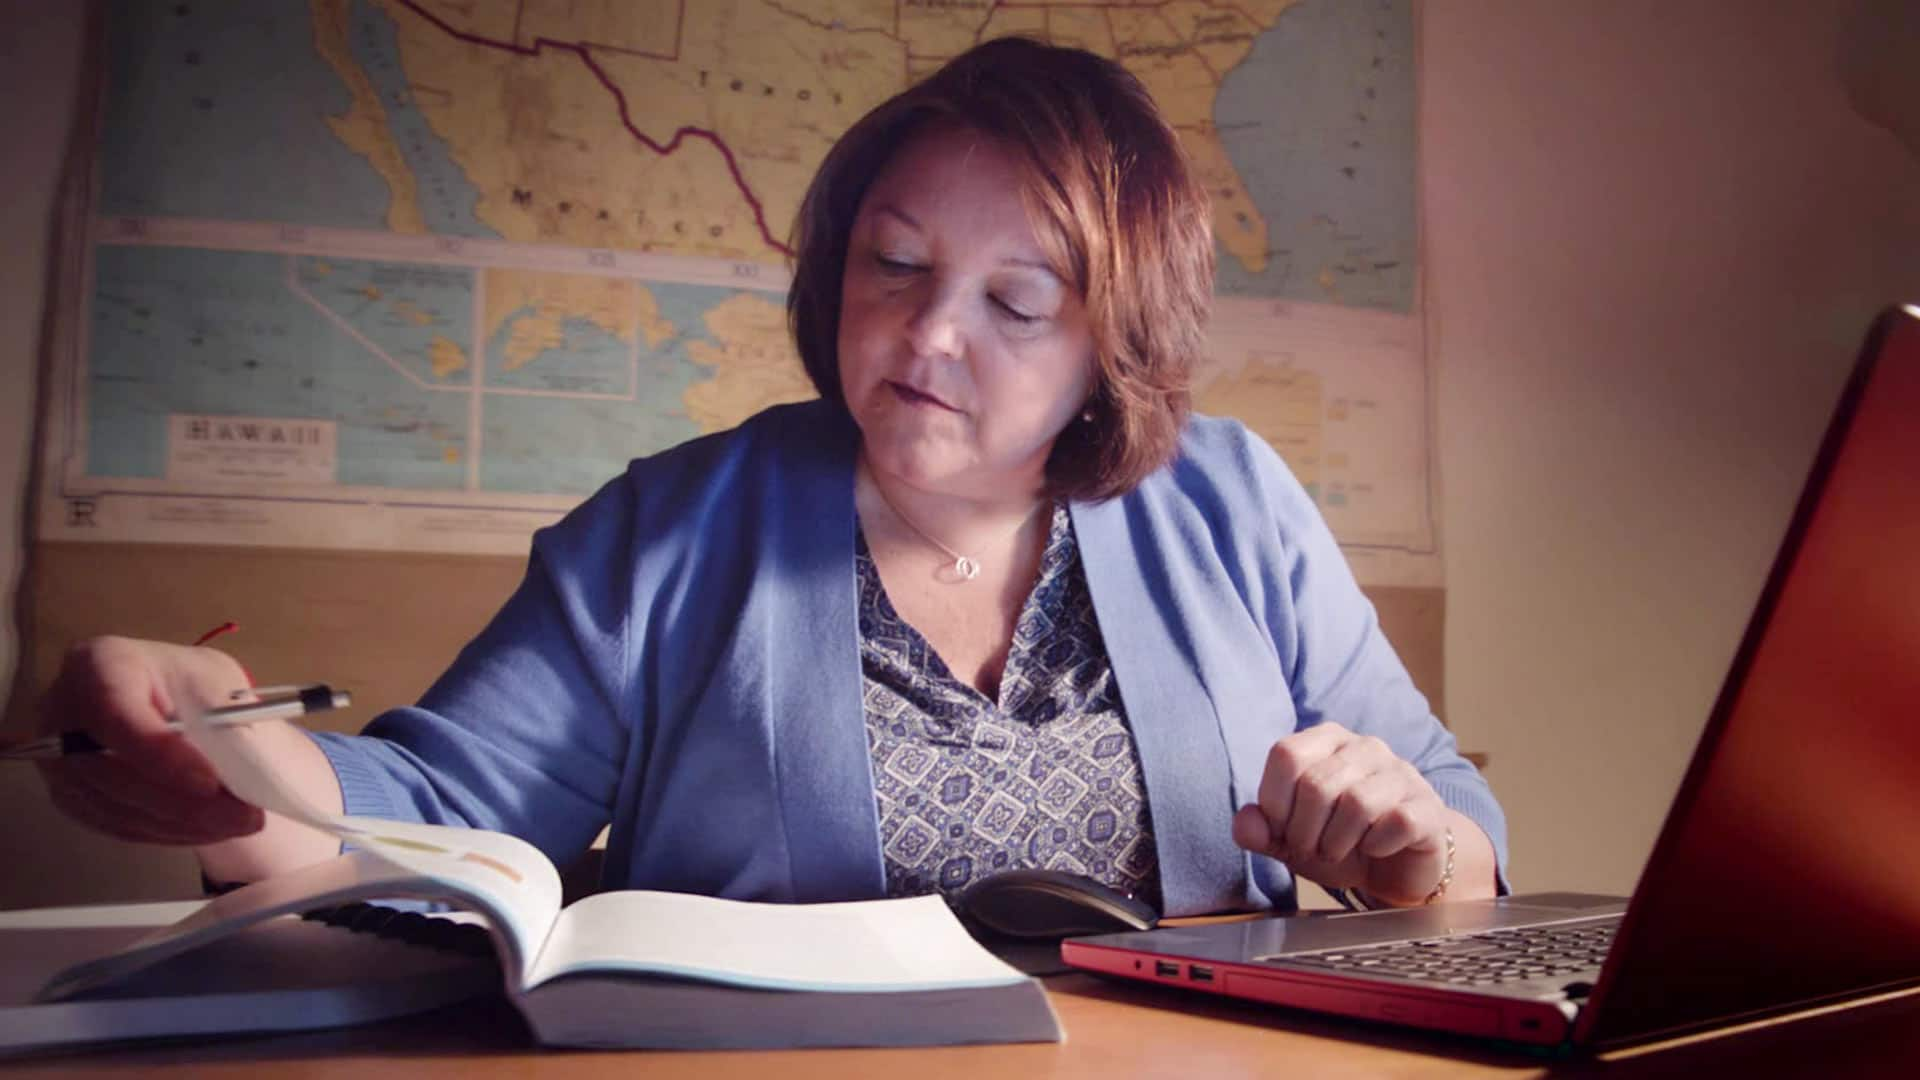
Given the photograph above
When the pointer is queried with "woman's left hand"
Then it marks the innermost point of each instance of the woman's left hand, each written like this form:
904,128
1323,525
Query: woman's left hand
1343,810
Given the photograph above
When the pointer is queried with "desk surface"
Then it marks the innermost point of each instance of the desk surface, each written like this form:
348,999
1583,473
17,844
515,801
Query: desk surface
1114,1030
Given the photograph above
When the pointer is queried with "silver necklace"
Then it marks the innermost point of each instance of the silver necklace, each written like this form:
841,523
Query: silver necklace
966,566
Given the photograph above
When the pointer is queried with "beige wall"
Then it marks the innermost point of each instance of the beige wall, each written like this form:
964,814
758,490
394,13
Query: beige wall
39,58
45,858
1655,231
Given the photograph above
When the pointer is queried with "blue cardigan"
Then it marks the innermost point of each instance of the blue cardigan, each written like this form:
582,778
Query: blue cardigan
682,660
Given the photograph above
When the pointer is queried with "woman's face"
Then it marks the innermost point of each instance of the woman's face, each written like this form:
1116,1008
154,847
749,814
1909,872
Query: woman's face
961,354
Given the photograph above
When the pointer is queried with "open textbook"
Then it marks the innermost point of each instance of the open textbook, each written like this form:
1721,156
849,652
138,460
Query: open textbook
630,968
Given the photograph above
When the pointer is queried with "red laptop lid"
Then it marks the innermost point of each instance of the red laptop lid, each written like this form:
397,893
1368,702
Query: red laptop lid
1788,871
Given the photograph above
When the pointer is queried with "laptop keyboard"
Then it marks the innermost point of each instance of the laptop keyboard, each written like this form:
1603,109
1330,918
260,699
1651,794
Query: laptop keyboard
1483,959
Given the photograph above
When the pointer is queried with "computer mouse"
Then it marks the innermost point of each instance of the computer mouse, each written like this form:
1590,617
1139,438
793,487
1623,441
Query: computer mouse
1051,904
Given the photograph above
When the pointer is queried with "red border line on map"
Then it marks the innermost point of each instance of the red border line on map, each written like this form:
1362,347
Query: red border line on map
620,100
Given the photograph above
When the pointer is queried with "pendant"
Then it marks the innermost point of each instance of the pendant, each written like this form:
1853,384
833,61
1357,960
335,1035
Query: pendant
966,568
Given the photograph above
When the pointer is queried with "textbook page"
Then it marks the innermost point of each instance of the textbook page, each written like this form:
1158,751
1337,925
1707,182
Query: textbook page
859,946
346,876
508,879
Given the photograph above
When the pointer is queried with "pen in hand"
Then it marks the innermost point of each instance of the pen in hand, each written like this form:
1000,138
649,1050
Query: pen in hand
272,703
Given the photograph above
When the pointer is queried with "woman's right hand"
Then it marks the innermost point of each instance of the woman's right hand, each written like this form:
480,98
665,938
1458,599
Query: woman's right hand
151,785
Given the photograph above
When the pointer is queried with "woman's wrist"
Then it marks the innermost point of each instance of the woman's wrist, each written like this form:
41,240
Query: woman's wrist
1429,875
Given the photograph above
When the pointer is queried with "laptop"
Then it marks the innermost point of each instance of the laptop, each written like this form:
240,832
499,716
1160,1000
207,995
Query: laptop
1785,876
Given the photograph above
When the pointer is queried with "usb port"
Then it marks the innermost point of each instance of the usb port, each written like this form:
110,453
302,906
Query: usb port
1166,969
1200,974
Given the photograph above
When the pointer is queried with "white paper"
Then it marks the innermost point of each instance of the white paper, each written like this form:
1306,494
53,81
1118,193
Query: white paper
913,943
516,884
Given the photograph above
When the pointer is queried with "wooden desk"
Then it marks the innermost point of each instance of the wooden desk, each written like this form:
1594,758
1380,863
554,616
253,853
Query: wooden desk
1114,1030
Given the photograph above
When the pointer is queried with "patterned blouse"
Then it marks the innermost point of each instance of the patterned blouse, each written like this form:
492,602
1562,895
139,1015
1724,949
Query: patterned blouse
1047,776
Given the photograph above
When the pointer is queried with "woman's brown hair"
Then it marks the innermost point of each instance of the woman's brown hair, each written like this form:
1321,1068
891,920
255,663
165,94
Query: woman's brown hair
1117,211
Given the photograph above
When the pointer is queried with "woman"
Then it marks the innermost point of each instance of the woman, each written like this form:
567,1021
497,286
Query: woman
994,600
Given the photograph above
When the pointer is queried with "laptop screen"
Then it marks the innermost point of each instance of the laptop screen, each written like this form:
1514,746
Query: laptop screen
1787,872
